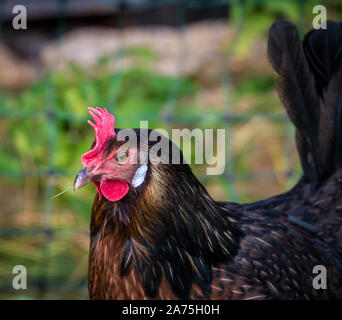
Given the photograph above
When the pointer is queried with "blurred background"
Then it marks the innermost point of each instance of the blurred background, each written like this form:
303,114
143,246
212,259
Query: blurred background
178,64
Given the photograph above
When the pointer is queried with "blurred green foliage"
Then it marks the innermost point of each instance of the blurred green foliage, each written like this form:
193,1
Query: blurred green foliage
254,17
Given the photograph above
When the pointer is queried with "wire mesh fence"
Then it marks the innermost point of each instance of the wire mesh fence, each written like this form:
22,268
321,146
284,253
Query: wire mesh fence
52,117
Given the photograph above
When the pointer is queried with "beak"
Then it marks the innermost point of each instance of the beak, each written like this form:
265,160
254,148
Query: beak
81,179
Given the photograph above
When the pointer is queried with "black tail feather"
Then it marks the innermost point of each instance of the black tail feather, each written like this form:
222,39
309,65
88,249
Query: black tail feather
310,87
323,50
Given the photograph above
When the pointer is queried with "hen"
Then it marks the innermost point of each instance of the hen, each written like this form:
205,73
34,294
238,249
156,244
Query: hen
156,233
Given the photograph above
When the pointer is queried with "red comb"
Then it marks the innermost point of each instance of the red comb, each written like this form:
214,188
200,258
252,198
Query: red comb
104,129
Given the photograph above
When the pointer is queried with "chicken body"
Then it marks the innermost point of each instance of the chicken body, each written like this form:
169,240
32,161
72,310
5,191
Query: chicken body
261,251
168,239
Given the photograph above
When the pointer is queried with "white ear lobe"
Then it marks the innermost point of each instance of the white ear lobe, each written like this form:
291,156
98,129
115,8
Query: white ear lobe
139,176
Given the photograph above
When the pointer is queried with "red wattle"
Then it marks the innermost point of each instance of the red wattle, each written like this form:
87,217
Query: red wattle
114,190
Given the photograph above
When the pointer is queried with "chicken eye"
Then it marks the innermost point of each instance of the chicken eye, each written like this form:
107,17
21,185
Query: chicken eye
122,156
